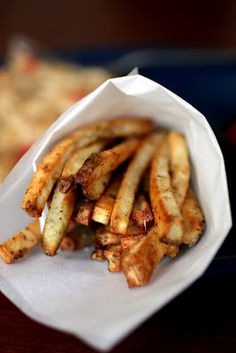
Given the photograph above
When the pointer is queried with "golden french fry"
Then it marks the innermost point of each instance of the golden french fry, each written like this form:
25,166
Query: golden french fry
57,222
77,239
140,262
97,187
85,211
118,127
125,198
49,170
62,204
100,164
21,243
141,213
113,254
167,215
194,222
179,166
75,162
47,174
104,206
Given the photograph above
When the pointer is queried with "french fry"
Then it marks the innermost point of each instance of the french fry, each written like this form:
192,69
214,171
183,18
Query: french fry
179,166
75,162
141,213
47,174
77,239
104,236
62,204
194,222
125,198
113,254
167,215
85,212
21,243
140,262
104,206
118,127
100,164
57,222
49,170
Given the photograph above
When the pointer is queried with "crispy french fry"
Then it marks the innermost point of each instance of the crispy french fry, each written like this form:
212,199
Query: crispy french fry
140,262
57,222
194,222
77,239
141,213
104,206
97,187
125,198
85,212
21,243
62,204
113,254
179,166
98,254
75,162
167,215
100,164
118,127
49,170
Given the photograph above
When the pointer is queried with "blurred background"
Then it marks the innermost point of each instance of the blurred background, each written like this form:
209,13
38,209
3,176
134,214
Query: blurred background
52,53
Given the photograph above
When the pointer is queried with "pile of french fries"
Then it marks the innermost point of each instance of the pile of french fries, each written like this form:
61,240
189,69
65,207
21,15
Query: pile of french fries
122,185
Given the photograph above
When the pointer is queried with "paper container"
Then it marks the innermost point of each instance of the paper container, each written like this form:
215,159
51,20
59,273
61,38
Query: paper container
72,293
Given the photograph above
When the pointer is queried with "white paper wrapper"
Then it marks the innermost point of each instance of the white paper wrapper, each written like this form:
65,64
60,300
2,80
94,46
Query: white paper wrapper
72,293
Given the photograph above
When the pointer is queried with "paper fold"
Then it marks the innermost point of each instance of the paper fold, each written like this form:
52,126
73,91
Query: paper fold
72,293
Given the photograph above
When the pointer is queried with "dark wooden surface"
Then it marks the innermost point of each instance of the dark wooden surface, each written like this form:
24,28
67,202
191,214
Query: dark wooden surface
202,319
77,23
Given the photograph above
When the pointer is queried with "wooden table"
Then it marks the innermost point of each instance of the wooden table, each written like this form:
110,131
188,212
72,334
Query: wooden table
202,319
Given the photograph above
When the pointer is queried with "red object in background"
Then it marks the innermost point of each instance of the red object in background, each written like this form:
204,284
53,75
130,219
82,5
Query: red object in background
22,149
77,95
31,65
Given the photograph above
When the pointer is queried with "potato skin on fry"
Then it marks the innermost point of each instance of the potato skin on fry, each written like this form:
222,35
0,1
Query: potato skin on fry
21,243
48,172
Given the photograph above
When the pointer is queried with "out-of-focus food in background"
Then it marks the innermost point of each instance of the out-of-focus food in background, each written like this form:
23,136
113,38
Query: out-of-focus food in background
33,92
